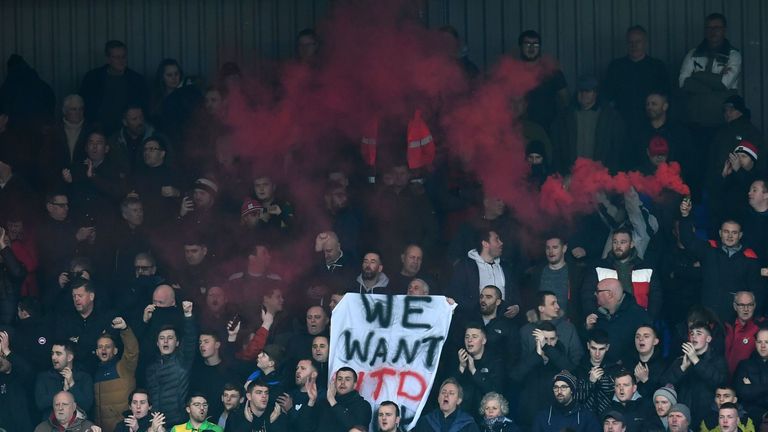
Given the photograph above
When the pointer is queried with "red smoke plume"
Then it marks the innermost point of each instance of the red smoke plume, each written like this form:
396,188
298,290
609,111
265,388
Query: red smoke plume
378,61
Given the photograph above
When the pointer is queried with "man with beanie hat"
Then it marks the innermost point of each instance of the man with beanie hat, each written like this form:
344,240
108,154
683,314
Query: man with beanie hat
679,418
565,412
738,173
737,133
198,213
614,421
663,400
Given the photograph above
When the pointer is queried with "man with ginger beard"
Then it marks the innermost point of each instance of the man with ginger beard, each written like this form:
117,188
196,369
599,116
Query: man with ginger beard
479,371
637,278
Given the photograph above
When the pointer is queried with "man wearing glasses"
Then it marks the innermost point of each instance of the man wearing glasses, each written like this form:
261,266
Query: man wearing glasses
740,334
551,95
197,407
565,412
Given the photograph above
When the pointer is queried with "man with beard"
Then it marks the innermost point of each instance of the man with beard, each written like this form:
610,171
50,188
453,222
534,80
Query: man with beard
551,95
479,371
62,377
565,412
372,280
197,408
114,378
448,416
663,400
623,263
502,335
296,400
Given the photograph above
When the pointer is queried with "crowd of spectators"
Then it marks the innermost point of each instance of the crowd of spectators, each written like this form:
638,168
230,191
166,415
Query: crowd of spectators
146,283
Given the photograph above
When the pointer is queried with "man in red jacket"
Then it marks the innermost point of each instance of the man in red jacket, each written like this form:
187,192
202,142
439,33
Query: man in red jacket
740,335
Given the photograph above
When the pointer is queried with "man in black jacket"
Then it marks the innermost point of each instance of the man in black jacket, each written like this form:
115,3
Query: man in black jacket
536,369
258,414
108,89
698,372
751,378
140,417
479,371
618,315
628,401
728,266
483,266
343,407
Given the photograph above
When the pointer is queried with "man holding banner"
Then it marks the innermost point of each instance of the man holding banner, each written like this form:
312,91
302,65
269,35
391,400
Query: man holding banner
394,344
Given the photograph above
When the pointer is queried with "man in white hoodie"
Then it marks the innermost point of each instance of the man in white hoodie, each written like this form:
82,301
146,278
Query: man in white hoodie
483,266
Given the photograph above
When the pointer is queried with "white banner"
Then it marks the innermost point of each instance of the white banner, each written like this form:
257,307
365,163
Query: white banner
394,345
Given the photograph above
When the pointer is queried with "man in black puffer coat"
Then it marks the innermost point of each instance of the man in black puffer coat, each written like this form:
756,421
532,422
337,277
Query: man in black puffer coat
168,375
